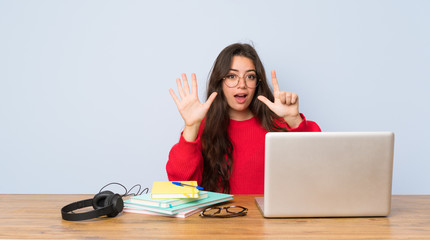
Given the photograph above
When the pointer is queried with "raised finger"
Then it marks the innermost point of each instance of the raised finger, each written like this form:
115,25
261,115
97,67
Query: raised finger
275,84
175,98
266,101
180,89
194,84
210,100
186,86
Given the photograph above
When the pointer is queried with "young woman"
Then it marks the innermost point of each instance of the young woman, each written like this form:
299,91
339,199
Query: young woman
222,144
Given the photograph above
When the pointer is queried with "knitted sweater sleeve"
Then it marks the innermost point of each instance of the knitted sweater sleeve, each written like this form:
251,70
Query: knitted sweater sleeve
185,161
304,126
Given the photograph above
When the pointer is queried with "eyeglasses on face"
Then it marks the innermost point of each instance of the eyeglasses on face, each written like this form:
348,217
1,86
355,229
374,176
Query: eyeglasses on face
230,211
232,80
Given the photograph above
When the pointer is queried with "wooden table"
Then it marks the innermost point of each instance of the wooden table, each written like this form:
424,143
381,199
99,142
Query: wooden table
38,217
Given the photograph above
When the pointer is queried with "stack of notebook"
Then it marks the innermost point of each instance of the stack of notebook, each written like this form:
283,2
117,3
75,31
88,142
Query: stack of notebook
168,199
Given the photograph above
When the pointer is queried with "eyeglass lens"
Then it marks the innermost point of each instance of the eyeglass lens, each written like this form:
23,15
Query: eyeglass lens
232,80
234,209
212,211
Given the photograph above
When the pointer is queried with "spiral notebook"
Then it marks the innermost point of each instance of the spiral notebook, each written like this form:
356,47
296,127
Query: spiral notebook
146,199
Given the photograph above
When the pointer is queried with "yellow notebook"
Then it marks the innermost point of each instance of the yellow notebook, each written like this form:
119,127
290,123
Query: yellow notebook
166,189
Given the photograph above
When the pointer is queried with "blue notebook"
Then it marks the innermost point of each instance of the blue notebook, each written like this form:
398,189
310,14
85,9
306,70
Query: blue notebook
213,198
145,199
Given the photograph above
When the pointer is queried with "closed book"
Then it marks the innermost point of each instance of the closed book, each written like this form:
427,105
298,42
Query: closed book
213,198
145,199
166,189
183,214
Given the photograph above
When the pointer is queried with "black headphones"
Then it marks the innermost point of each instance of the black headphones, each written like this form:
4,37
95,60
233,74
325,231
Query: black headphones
104,203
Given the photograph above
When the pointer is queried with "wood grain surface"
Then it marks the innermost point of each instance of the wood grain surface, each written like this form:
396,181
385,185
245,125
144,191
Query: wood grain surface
39,217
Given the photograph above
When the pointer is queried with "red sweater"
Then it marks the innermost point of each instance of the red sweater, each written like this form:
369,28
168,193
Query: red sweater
186,161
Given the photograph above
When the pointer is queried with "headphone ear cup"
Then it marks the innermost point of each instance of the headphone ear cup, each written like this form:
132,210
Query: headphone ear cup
117,205
100,200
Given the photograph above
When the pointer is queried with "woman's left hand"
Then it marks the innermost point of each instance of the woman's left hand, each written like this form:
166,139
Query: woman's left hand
286,104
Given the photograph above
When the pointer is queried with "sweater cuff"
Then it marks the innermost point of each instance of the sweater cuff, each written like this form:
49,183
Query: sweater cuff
303,124
187,144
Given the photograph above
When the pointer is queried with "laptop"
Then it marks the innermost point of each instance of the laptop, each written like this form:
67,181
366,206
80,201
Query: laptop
327,174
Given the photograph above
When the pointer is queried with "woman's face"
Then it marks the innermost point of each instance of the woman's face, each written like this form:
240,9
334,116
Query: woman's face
240,96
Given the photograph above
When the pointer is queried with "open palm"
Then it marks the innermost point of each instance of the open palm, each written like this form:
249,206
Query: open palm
189,105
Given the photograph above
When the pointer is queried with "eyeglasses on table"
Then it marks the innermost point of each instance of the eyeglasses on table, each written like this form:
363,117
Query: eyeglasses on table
230,211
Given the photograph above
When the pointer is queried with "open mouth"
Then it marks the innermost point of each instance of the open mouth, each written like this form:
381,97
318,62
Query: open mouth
240,97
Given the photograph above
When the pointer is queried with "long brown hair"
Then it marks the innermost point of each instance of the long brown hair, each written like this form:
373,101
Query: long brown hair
216,145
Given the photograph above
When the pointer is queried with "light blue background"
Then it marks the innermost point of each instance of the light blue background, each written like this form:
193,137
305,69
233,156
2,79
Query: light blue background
84,84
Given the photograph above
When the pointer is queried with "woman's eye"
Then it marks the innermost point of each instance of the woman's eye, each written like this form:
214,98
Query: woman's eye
231,76
251,77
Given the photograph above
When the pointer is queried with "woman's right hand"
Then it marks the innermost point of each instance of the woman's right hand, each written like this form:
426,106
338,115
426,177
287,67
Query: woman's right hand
190,107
